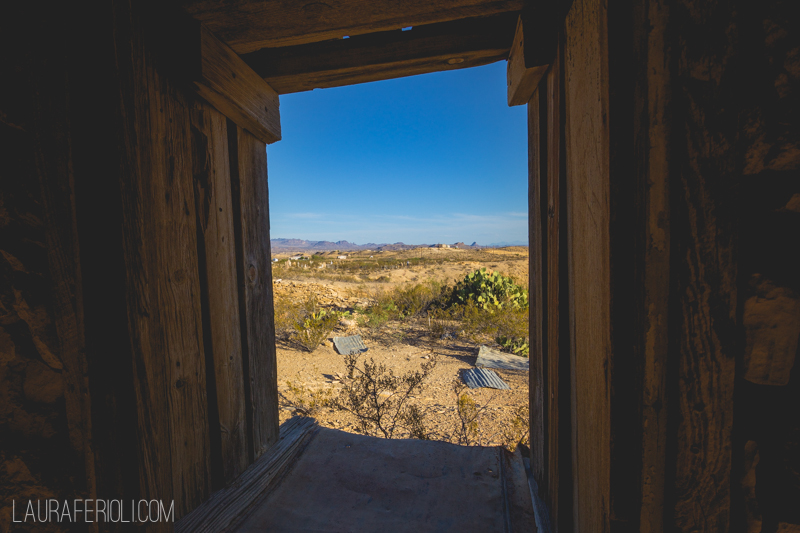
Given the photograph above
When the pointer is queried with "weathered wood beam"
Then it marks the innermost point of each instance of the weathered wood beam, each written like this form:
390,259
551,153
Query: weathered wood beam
521,79
227,83
385,55
249,25
201,62
250,202
531,53
588,192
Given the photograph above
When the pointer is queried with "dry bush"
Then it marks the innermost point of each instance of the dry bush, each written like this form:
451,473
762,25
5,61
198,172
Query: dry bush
519,430
286,315
480,324
400,303
468,428
414,300
380,400
378,311
305,401
442,324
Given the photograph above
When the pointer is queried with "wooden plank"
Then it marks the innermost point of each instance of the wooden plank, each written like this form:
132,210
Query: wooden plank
536,376
706,335
651,135
522,76
552,277
385,55
249,25
194,57
162,278
226,507
233,88
218,275
98,140
251,219
586,92
38,76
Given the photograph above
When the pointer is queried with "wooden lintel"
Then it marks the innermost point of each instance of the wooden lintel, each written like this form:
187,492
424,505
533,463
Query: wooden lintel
227,83
249,25
385,55
522,74
195,58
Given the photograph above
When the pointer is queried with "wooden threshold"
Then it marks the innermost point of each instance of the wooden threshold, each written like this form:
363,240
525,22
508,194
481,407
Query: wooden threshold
226,507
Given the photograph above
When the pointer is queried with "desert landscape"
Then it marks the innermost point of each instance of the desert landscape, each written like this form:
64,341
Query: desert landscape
355,285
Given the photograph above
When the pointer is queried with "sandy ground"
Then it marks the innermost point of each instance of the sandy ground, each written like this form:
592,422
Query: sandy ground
403,347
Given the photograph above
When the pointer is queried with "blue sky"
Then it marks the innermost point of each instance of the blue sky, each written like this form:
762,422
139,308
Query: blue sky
432,158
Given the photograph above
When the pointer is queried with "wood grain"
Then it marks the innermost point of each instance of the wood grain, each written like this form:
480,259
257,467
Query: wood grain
251,220
385,55
588,189
552,350
234,89
218,255
522,77
249,25
162,278
226,507
651,145
537,377
706,333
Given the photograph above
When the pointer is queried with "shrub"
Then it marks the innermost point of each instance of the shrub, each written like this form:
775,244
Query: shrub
380,400
467,431
442,324
407,301
304,401
413,300
286,314
505,322
377,313
519,430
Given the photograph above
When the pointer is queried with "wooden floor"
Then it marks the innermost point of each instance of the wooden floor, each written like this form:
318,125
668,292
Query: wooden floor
334,481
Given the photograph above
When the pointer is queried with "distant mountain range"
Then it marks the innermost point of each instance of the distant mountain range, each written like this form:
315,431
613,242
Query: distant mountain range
506,243
288,245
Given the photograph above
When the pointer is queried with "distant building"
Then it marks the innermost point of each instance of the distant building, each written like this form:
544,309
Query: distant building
341,257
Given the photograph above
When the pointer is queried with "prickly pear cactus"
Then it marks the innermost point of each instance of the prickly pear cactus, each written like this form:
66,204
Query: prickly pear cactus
489,291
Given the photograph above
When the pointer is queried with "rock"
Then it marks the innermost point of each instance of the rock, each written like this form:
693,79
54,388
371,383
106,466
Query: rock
42,385
772,324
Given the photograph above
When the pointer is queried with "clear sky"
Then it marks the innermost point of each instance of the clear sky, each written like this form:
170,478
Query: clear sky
425,159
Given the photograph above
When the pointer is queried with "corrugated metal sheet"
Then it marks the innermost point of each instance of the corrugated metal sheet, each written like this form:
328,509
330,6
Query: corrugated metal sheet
505,361
349,345
480,377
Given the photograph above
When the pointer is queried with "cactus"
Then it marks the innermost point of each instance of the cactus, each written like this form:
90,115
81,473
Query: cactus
489,291
312,330
515,345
